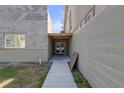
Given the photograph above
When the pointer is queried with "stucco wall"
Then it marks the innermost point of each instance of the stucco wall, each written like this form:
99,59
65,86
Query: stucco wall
28,20
50,25
100,44
50,41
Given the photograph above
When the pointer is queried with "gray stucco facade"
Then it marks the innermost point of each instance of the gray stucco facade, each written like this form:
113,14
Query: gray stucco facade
30,21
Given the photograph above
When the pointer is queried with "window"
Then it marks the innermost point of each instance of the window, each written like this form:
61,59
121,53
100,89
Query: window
15,41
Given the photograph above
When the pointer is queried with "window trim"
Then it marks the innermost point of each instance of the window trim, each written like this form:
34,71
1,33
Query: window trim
15,36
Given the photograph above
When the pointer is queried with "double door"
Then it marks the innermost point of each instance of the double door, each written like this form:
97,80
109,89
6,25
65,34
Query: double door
60,47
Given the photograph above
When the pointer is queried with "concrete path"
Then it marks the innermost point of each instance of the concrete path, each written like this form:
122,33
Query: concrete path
62,58
59,76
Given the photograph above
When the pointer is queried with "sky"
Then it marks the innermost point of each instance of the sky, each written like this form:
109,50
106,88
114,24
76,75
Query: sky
56,13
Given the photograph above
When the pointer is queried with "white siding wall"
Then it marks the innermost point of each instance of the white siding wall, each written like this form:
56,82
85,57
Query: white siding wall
100,44
78,12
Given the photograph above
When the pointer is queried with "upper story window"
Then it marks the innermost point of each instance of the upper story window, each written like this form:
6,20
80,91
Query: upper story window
15,41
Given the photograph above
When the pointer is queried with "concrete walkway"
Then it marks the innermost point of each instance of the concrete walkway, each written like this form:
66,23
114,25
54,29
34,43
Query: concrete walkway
62,58
59,75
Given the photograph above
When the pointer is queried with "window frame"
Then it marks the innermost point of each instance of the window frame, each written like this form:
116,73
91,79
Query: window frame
15,40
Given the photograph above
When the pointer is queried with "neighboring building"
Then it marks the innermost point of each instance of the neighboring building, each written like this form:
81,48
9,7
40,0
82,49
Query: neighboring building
50,25
98,37
50,42
23,33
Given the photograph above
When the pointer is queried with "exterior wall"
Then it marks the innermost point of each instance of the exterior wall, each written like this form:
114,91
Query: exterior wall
50,25
100,44
28,20
50,48
23,55
77,14
50,41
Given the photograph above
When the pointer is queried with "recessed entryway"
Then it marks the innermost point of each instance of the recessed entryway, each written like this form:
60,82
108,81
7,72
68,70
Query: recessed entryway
60,43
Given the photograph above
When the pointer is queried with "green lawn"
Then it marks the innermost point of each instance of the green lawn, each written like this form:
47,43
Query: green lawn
23,76
81,82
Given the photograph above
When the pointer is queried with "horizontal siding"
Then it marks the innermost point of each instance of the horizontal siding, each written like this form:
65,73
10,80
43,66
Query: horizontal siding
100,44
23,55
